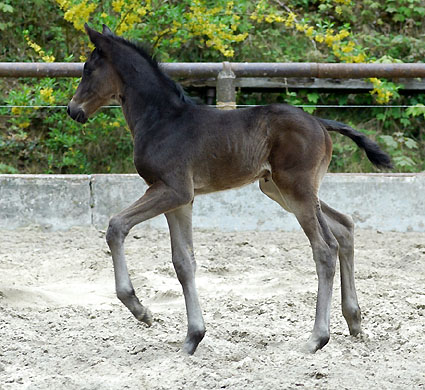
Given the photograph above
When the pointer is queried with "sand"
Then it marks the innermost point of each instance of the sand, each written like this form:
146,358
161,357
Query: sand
61,326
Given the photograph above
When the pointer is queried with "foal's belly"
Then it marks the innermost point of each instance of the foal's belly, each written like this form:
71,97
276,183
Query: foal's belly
228,178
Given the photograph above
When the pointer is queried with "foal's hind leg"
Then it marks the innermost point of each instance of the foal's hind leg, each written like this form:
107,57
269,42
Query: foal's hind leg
343,229
305,205
180,224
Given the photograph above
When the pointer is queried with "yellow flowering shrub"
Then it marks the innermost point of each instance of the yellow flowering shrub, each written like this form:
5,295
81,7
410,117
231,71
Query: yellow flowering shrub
47,95
200,22
220,27
202,31
341,43
77,13
37,48
131,12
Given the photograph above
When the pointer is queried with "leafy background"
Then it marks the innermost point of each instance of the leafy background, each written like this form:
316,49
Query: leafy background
45,140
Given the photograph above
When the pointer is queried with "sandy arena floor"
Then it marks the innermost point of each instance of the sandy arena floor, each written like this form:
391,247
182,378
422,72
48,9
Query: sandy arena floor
61,326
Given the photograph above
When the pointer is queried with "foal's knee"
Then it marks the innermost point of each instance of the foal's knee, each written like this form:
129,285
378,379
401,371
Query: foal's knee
116,231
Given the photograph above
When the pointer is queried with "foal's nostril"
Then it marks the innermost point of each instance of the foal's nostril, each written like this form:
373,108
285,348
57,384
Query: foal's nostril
76,113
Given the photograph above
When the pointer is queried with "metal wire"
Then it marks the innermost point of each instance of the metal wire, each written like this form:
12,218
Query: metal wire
248,105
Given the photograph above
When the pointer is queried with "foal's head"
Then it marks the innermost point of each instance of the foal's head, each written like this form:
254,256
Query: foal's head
100,83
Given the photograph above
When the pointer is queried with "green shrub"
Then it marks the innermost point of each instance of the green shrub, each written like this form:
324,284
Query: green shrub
44,139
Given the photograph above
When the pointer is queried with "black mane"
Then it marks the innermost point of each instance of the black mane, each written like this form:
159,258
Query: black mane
144,52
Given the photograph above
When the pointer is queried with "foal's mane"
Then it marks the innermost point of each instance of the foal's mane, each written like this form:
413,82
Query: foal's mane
153,63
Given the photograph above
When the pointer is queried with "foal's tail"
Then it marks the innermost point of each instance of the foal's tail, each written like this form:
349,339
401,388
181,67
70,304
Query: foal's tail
378,157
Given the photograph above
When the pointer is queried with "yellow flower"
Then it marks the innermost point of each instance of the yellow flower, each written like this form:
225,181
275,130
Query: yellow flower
78,14
309,32
46,92
348,48
329,39
118,5
300,27
343,34
141,11
16,110
229,7
33,45
289,22
375,81
24,125
383,95
220,36
274,18
63,3
39,50
48,58
47,95
228,52
359,58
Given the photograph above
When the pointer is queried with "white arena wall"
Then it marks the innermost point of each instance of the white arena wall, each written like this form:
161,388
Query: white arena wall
385,202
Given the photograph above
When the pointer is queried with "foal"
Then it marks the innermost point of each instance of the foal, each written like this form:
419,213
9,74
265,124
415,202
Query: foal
182,150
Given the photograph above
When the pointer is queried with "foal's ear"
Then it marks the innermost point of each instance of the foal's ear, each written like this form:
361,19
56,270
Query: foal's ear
106,30
99,40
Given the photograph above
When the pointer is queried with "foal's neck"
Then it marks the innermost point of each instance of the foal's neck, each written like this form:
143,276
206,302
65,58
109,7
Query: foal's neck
145,96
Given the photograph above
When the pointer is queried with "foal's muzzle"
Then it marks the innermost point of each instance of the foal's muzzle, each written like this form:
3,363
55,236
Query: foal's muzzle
76,113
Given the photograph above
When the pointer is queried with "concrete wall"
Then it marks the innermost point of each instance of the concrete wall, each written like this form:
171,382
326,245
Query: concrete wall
53,201
375,201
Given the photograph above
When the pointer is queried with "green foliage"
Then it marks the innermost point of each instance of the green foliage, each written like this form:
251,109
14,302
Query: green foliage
399,146
417,110
46,140
5,7
4,168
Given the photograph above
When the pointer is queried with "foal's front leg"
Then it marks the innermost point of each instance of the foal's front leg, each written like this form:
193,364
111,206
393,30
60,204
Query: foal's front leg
180,224
158,199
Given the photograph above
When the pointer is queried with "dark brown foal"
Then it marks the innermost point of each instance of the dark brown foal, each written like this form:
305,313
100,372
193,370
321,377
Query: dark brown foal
182,150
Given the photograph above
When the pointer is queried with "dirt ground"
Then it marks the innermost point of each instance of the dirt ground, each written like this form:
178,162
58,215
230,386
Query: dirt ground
61,326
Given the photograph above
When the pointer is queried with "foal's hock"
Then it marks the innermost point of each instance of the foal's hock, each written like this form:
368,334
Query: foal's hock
182,150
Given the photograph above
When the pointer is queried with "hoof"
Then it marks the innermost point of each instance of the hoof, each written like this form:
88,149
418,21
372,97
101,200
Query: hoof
354,320
361,336
309,347
355,330
145,317
314,344
192,341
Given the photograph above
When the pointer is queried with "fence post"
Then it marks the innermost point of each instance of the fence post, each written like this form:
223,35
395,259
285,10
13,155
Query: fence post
226,94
